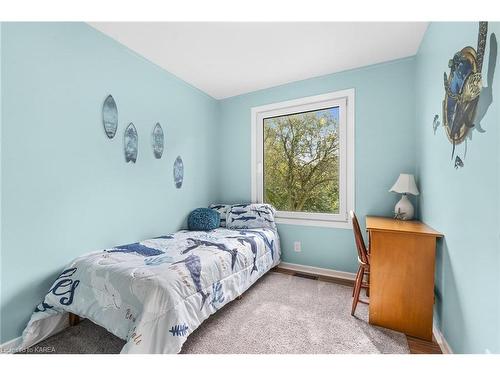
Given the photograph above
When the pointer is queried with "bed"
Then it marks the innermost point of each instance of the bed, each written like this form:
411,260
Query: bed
154,293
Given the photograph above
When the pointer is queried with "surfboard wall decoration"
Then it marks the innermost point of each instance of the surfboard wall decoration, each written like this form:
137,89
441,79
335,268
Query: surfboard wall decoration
130,141
158,141
178,172
131,138
110,117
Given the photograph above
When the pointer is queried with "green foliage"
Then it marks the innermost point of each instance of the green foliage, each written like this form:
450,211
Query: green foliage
301,162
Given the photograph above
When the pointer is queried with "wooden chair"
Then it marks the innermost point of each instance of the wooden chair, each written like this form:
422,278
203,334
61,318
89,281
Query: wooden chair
364,265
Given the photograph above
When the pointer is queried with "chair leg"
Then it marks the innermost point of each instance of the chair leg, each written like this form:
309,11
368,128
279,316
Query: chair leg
356,280
357,289
368,283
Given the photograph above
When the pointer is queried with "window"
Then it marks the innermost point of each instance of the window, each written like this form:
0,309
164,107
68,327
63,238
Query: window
303,159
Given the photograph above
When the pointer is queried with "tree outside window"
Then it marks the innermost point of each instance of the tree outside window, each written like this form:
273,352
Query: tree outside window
301,161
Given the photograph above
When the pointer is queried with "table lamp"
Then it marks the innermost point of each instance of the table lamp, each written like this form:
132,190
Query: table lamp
404,185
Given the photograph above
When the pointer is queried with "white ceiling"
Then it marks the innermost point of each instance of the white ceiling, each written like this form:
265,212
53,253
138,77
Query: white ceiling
225,59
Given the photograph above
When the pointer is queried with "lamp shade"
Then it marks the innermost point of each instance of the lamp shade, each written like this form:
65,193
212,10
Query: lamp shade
405,184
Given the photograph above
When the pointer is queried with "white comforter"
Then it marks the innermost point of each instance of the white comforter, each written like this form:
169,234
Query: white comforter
154,293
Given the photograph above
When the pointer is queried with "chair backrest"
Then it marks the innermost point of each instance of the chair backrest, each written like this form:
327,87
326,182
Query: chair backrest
360,243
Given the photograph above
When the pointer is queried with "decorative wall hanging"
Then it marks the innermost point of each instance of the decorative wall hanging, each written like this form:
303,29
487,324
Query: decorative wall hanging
463,87
436,123
130,143
157,140
110,116
178,172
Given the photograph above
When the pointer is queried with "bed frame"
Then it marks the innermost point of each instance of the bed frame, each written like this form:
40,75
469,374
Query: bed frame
75,319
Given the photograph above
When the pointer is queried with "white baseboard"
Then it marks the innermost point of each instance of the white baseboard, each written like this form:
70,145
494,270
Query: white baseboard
441,340
317,271
9,346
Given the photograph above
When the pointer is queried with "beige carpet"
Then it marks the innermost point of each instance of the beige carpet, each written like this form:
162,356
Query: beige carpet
279,314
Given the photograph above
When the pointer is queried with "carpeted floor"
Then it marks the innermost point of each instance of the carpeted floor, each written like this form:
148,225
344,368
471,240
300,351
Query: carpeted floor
279,314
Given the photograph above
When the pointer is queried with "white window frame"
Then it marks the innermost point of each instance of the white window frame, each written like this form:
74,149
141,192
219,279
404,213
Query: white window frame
343,99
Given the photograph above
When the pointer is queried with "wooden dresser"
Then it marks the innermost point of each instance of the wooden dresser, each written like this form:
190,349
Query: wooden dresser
402,257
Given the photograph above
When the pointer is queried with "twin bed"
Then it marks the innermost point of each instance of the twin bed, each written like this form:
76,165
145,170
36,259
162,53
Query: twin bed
154,293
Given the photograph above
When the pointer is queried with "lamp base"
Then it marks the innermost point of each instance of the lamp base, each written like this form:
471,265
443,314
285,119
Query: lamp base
404,209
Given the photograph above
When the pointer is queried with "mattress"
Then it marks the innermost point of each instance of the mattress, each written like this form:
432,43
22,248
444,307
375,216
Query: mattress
154,293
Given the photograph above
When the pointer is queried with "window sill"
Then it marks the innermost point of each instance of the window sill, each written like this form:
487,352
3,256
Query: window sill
314,222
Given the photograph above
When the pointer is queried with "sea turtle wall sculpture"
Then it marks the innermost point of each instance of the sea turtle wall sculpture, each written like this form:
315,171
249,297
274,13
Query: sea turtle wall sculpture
462,86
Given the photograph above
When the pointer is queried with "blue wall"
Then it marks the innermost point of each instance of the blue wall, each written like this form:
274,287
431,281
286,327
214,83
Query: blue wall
463,203
1,25
385,147
66,188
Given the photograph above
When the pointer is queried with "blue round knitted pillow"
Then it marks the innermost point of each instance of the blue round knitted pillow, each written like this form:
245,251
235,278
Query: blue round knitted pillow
203,219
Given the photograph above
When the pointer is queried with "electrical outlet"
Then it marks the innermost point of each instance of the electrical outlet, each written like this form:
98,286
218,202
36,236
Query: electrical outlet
297,247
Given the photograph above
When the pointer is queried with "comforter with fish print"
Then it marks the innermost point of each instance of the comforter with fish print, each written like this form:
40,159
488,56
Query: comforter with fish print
154,293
